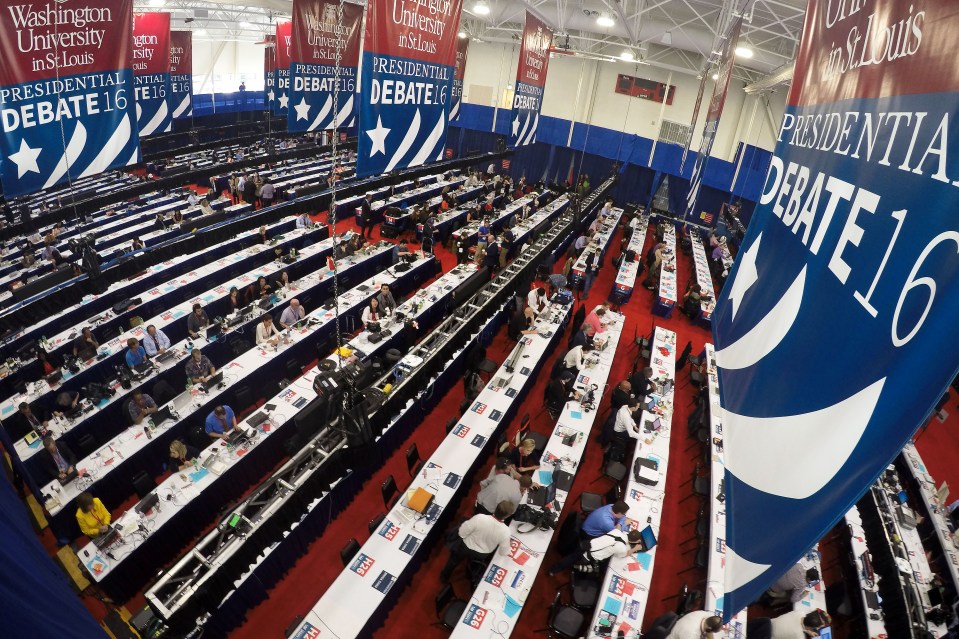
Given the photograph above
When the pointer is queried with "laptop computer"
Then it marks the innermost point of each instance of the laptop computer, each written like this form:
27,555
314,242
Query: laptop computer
213,330
647,539
143,367
235,435
162,415
147,504
214,464
69,477
110,536
563,480
653,426
543,496
54,377
165,356
213,381
182,401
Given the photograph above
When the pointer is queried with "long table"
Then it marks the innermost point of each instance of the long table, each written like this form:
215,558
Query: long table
496,604
716,569
626,275
624,591
120,575
598,246
704,278
392,553
467,235
666,300
875,625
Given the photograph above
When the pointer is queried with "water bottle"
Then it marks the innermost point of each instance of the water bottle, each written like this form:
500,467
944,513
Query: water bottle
43,342
189,383
196,465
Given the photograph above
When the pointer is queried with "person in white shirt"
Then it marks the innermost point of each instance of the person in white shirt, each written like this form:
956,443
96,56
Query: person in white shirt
537,299
303,221
499,488
625,424
156,341
478,538
372,312
699,624
266,331
615,543
192,199
205,208
792,625
575,359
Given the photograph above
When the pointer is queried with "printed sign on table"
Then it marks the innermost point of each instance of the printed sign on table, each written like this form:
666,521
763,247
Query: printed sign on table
848,279
86,88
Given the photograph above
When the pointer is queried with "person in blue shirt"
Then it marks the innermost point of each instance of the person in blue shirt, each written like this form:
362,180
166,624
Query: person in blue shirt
220,422
605,519
136,354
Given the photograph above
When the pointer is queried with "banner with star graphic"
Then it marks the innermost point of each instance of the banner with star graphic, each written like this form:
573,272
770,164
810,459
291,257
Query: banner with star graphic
151,72
409,57
716,103
835,332
181,73
281,69
530,81
462,49
66,112
269,65
317,37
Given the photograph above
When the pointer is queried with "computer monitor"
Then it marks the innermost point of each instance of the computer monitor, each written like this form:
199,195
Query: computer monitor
214,381
825,633
213,330
648,538
902,496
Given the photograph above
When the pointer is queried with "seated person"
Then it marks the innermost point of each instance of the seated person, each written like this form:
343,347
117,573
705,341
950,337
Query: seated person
85,347
793,585
141,406
642,382
605,519
263,237
220,422
584,335
205,208
156,341
196,321
303,220
57,459
266,332
292,314
385,298
199,368
692,300
624,423
67,402
29,418
136,354
615,543
181,455
596,317
401,250
560,390
283,281
258,291
575,359
698,624
234,299
93,517
524,458
50,362
372,312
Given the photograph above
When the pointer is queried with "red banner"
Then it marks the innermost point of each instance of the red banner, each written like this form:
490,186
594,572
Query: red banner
317,32
151,43
534,53
284,39
725,72
281,73
462,49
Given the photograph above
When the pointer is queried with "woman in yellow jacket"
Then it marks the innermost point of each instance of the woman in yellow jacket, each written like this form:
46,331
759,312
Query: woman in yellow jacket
93,517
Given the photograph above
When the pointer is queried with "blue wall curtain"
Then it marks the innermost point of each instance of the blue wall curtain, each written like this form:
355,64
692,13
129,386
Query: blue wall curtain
36,600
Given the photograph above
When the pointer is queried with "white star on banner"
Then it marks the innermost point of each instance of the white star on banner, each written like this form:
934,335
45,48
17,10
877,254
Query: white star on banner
378,136
284,101
25,159
746,276
271,95
515,126
302,110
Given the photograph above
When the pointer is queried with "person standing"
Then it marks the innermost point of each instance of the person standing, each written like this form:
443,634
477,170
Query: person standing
267,193
366,216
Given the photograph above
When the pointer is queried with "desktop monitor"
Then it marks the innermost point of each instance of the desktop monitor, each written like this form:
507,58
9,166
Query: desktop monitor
903,498
825,633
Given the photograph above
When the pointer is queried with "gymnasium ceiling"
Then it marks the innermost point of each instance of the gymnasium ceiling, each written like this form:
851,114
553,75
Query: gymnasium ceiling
683,36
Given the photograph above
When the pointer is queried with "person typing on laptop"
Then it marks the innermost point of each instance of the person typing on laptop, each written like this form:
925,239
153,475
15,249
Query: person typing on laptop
220,422
196,321
141,405
92,515
793,585
136,354
57,459
156,342
199,368
266,332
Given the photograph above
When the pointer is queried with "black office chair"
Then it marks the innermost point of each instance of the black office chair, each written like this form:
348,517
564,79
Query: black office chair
374,524
449,608
413,461
588,502
163,392
661,626
349,551
143,484
696,378
539,438
564,621
198,438
584,589
244,399
127,417
293,369
389,492
85,446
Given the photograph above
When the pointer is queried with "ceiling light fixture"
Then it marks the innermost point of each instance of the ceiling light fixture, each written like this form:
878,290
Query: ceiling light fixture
481,8
667,39
744,52
462,35
715,76
199,32
605,21
244,24
627,56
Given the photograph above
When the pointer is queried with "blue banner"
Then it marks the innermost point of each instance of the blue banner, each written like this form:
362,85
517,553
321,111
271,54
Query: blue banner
319,38
65,113
836,331
151,72
408,67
